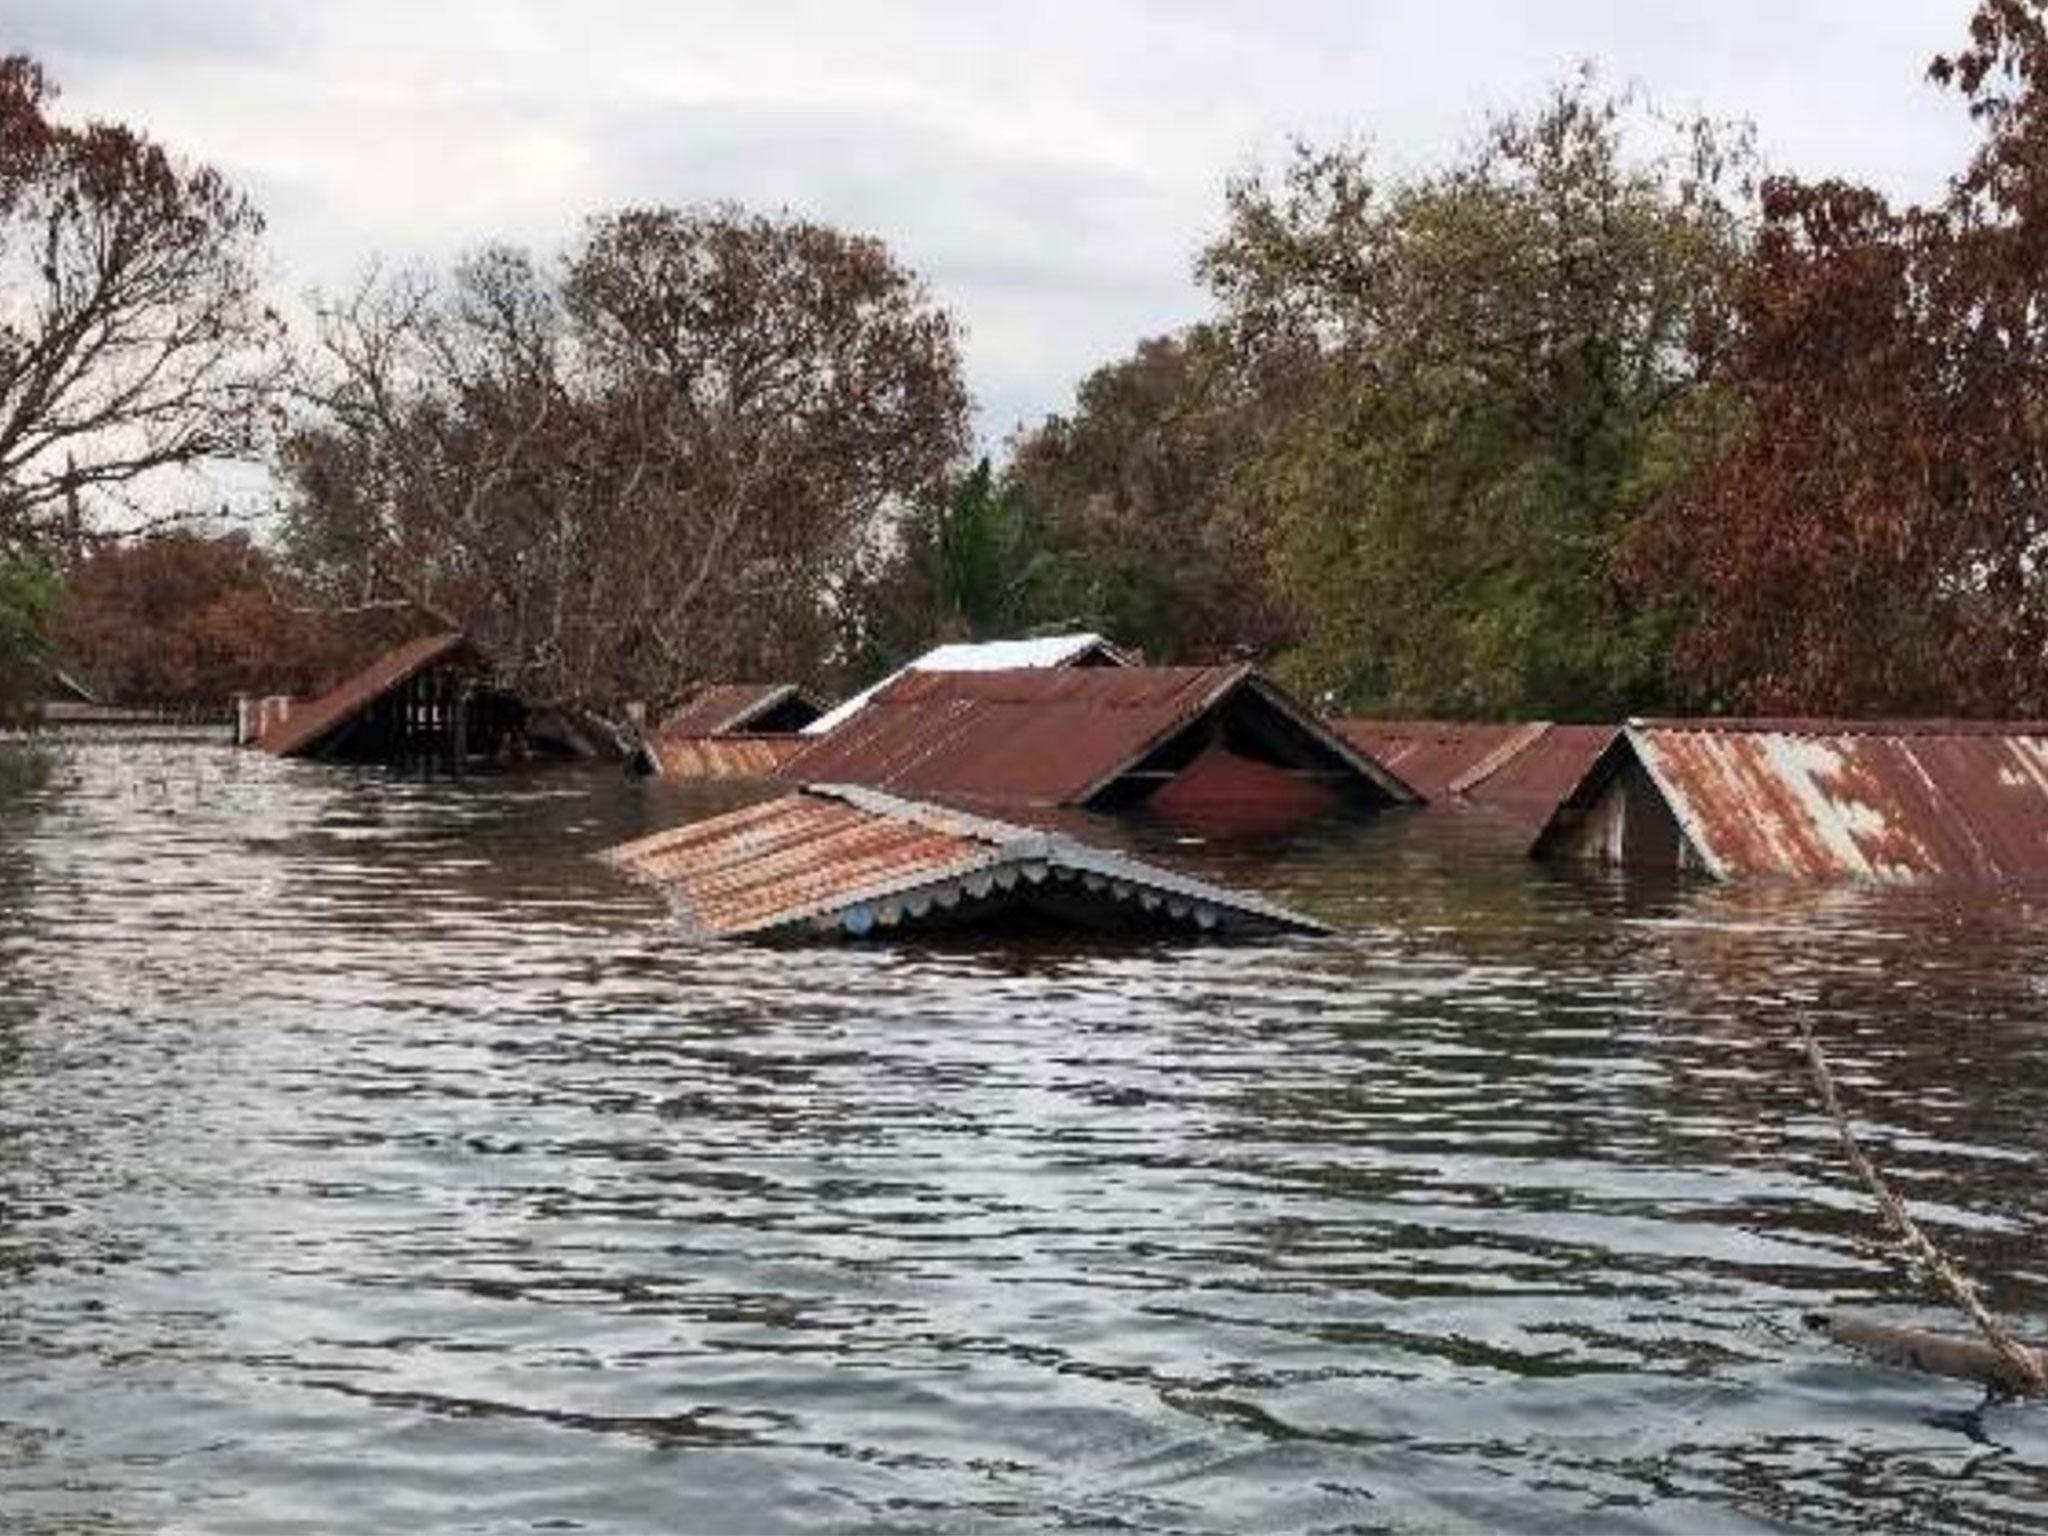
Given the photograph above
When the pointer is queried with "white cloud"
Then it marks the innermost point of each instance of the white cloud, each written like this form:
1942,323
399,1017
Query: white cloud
1051,168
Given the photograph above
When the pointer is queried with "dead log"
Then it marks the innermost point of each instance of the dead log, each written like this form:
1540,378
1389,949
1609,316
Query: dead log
1954,1355
2021,1371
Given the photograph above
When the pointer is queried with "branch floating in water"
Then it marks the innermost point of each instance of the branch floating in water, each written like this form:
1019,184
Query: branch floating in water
1920,1349
2013,1367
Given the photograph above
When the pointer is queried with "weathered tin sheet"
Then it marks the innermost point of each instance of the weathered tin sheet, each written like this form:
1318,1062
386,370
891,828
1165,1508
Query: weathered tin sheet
1884,800
1879,800
721,757
718,709
1518,771
1044,651
1431,754
309,722
1049,737
1527,786
838,861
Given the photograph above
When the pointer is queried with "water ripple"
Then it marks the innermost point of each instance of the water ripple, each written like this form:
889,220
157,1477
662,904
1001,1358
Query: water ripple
372,1160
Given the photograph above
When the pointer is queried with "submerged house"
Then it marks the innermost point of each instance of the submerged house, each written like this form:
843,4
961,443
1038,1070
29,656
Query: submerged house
729,730
1898,801
743,709
847,862
1515,772
1045,653
430,701
1221,744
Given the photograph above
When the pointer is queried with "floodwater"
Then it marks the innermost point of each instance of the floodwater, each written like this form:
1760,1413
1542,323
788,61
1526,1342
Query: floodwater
373,1161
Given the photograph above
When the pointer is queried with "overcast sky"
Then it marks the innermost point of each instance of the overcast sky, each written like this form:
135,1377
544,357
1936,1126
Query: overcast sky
1050,168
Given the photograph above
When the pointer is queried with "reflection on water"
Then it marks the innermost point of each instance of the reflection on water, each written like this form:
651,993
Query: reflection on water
370,1160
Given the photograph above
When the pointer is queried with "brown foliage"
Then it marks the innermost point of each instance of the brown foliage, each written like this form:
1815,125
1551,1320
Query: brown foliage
1871,539
187,618
131,336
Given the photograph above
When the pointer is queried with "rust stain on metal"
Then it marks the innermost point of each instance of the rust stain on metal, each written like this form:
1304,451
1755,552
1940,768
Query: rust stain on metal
1429,754
309,722
1065,737
721,757
1074,650
1518,771
1901,801
833,861
724,709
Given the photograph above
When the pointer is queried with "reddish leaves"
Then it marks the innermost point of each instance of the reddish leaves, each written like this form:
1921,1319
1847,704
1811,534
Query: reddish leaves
1870,539
188,618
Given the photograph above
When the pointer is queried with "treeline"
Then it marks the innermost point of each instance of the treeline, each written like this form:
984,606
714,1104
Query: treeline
1594,419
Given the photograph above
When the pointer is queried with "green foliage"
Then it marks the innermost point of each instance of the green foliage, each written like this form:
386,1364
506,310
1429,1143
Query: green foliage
1146,504
29,589
1495,371
981,557
965,562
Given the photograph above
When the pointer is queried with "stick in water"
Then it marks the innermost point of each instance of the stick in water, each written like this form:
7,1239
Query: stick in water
2023,1370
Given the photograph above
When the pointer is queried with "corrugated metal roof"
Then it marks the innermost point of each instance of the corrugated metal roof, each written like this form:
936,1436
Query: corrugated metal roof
717,709
1873,799
721,757
1431,754
1044,737
1050,651
1518,770
316,718
832,861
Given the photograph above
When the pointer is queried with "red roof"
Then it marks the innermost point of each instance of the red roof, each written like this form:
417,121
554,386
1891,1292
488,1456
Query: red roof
1042,736
309,722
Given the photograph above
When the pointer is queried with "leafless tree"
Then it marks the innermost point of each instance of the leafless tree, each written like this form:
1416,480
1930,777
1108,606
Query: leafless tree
133,336
652,464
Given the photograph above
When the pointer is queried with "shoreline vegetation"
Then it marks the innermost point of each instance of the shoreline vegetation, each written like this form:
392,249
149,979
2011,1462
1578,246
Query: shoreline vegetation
1598,417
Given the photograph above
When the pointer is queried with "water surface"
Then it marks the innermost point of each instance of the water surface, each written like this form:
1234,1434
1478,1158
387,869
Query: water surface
371,1160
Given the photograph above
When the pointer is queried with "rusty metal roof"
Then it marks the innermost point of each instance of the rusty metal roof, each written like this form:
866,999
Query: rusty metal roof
837,860
1046,737
1884,800
1431,754
720,757
718,709
1078,650
1517,770
316,718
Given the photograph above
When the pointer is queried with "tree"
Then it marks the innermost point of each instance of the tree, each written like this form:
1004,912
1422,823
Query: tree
1871,539
132,336
28,589
1491,373
190,617
656,463
1150,517
965,563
